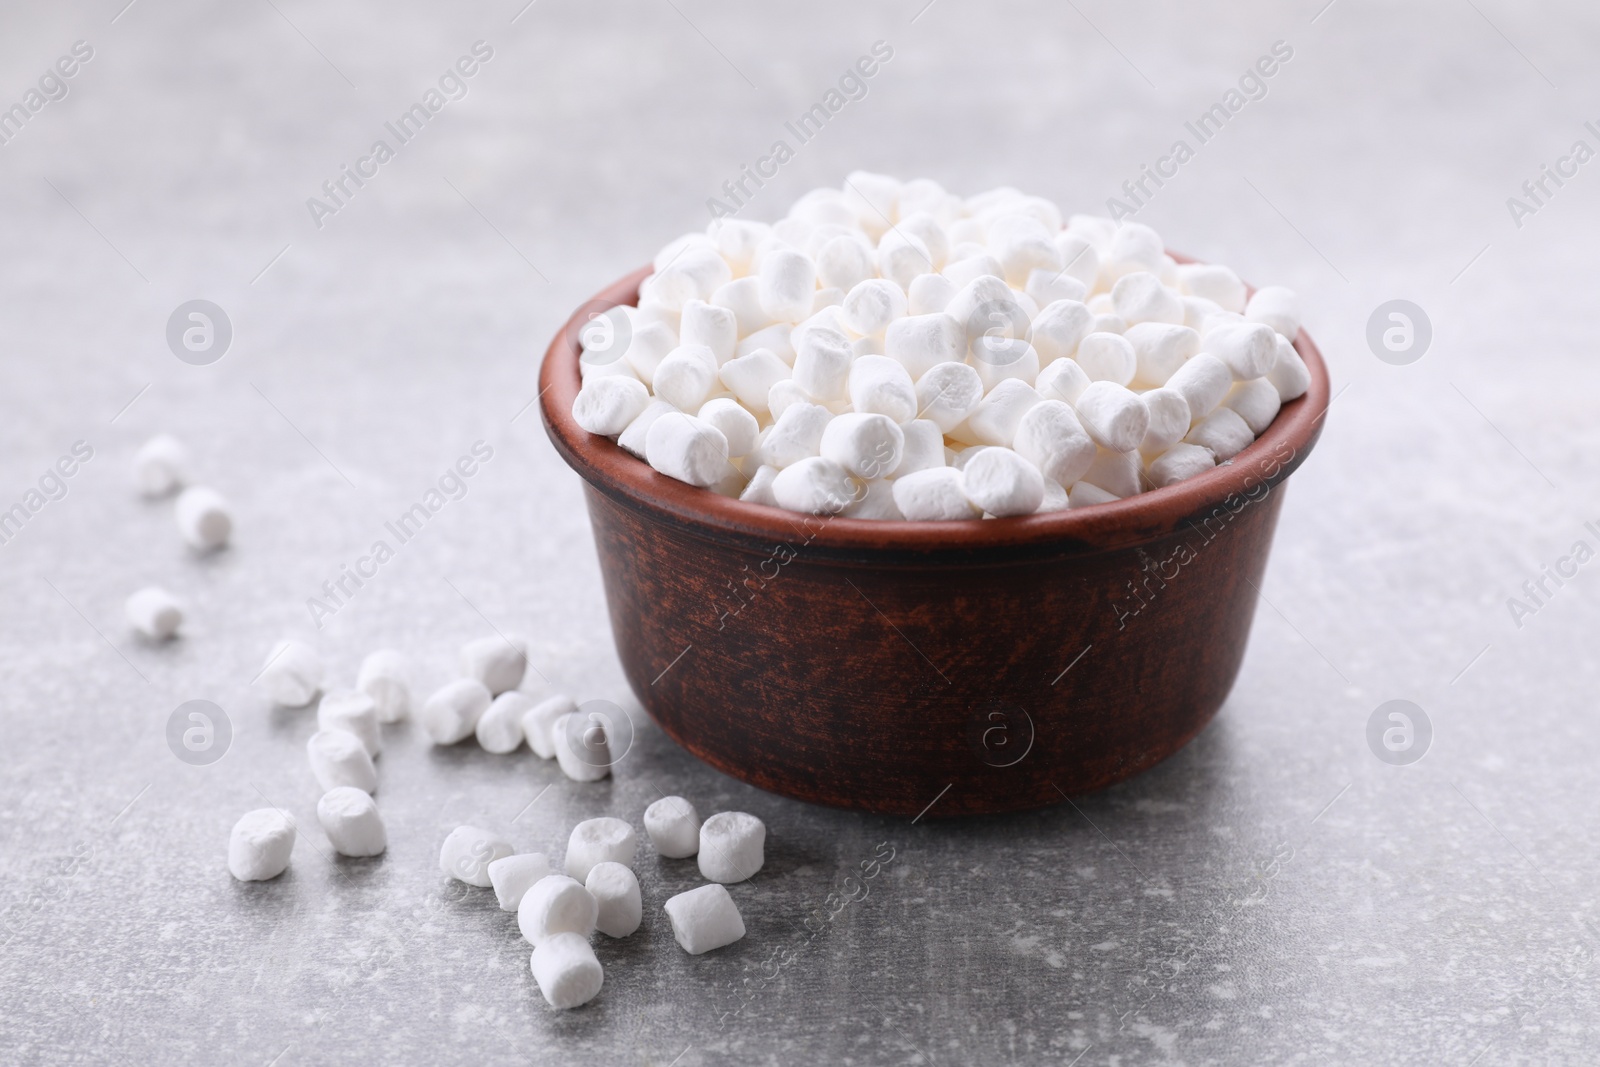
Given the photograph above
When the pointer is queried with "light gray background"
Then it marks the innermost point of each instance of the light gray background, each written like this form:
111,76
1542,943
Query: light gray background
1273,893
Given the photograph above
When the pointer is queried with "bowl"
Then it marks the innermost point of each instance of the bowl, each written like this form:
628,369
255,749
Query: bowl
929,668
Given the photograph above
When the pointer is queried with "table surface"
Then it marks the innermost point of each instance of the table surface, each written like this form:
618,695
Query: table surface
1273,893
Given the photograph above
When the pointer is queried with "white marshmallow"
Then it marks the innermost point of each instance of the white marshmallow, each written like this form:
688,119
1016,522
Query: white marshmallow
962,272
1055,498
384,676
539,723
1276,306
1046,287
1132,247
994,421
1024,254
468,851
844,262
451,714
1118,473
1248,348
735,423
605,405
260,845
732,846
822,363
1052,439
874,500
795,435
683,447
203,518
933,495
927,229
1219,320
1062,380
673,827
1223,432
737,240
350,819
1002,483
815,486
929,293
777,338
865,444
648,346
750,378
742,296
557,904
1059,328
901,257
1110,323
1213,282
947,393
825,298
784,395
759,489
1096,230
921,342
704,919
788,279
998,358
499,728
924,448
293,674
686,376
872,304
354,712
583,749
498,661
1113,416
1179,462
513,876
1289,374
1196,310
1160,348
615,889
880,384
338,758
633,438
1084,495
1107,357
1202,381
711,327
596,841
1257,403
1169,420
160,465
154,612
1140,297
567,971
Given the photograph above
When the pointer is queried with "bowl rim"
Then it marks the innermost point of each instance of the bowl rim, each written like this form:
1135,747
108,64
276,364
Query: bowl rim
605,466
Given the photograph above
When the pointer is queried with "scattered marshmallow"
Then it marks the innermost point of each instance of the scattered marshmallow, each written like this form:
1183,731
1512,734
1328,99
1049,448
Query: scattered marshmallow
705,918
539,721
293,674
732,846
582,752
498,662
154,612
567,971
160,466
673,827
451,714
204,518
499,730
259,847
468,851
597,841
513,876
354,712
339,758
557,904
350,818
384,676
615,889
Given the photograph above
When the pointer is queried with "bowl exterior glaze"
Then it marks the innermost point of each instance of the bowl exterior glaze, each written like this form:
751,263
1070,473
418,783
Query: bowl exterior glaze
946,668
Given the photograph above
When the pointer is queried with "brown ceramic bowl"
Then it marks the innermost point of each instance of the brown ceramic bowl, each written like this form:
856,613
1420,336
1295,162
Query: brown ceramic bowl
941,667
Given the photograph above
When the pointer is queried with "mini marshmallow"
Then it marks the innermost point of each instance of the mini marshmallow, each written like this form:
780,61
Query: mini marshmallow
901,257
1132,247
1248,348
293,674
1052,439
1113,416
686,376
647,347
815,486
787,280
1046,287
1179,462
732,846
1212,282
596,841
933,495
605,405
567,971
583,752
1085,495
1288,374
1223,432
498,661
384,676
673,827
615,889
736,424
513,876
872,304
1118,473
759,489
921,342
1109,324
556,904
1002,483
203,518
844,262
1196,310
796,434
260,845
1107,357
822,363
1277,307
1080,259
451,714
881,385
777,338
350,819
160,465
706,325
1055,498
683,447
354,712
468,851
1140,297
929,293
864,444
633,438
785,395
1257,403
1202,382
1169,420
742,296
998,358
1062,380
961,272
994,421
1059,328
499,729
874,500
924,448
750,378
539,722
704,919
947,393
339,758
1159,349
925,228
154,612
1023,254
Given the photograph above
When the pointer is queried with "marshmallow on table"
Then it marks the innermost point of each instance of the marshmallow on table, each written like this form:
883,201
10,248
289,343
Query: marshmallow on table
1277,307
1113,416
673,827
735,423
1202,382
513,876
160,465
556,904
293,674
582,752
451,714
1169,419
597,841
815,486
683,447
615,889
1052,439
606,404
732,846
947,393
498,662
339,758
539,721
350,818
1159,349
1256,401
933,495
468,851
154,612
1179,462
1248,348
1289,374
1223,432
354,712
203,517
1002,483
567,971
499,729
260,845
704,919
384,676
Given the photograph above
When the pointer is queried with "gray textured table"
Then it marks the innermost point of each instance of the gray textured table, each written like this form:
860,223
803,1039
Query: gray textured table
1274,893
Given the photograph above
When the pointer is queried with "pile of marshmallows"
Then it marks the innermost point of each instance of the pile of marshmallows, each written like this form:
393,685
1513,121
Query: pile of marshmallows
892,351
160,468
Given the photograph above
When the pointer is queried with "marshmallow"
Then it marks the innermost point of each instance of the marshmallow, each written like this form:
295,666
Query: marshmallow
947,393
1118,473
1002,483
1046,287
1169,420
605,405
1159,349
1223,432
683,447
1248,348
154,612
822,363
777,338
633,438
513,876
1059,328
160,465
596,841
1084,495
1132,247
731,846
1256,402
708,326
994,421
673,827
880,384
583,751
293,674
737,240
468,851
787,280
815,486
865,444
338,758
874,500
1107,357
871,305
1055,498
1202,381
759,489
920,342
1196,310
1288,374
998,358
539,723
567,971
844,262
962,272
1140,297
686,376
615,889
260,844
647,347
203,518
933,495
1079,259
1179,462
737,425
1109,324
901,257
498,661
451,714
1113,416
1062,380
704,919
1212,282
829,297
350,819
499,729
556,904
1277,307
1023,254
353,712
384,677
750,378
1052,439
784,395
795,435
929,293
927,229
742,296
924,448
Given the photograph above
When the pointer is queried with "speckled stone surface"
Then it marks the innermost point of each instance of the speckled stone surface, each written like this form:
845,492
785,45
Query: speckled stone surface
1273,894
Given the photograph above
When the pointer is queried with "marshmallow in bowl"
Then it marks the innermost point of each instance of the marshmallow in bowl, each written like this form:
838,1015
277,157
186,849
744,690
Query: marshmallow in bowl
834,362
